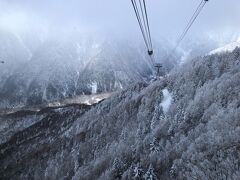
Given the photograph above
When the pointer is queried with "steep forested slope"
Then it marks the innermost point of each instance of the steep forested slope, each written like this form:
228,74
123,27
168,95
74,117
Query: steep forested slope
136,134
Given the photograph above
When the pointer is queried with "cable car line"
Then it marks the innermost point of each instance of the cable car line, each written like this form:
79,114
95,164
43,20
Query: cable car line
192,20
189,25
142,18
140,22
144,22
148,28
193,16
140,9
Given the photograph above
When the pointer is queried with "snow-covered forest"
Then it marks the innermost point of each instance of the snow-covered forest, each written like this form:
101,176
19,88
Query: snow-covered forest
136,134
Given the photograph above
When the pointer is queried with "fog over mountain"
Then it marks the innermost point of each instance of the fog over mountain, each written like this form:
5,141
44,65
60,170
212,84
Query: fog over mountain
80,97
66,67
54,49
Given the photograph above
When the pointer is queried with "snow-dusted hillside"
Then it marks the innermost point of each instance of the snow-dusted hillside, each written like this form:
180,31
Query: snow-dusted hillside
62,68
227,48
184,126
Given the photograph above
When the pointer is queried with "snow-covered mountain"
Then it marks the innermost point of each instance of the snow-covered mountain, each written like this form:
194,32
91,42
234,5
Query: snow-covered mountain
227,48
65,67
183,126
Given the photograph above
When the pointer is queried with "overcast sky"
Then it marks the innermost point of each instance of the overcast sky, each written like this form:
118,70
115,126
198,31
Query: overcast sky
167,17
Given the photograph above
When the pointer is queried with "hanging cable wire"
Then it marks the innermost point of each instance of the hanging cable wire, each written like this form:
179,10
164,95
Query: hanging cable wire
148,28
145,23
135,7
142,17
192,20
145,29
193,16
189,25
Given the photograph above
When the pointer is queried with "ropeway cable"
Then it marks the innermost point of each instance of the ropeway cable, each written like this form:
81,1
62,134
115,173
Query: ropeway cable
189,25
142,17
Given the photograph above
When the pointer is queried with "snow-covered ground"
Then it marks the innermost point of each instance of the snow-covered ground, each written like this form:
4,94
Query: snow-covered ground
227,48
167,100
94,87
82,99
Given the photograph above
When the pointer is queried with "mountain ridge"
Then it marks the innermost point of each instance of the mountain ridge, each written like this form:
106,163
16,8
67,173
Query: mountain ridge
65,68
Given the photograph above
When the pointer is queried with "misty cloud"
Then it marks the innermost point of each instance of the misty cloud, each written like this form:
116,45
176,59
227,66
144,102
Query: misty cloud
167,18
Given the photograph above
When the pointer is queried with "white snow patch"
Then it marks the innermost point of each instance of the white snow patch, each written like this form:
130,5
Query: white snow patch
167,100
227,48
118,84
87,102
94,87
121,87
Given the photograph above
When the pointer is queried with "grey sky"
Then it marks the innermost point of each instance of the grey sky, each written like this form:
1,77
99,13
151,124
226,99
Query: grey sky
167,17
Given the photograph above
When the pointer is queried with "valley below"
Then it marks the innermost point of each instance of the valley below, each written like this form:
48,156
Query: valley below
78,100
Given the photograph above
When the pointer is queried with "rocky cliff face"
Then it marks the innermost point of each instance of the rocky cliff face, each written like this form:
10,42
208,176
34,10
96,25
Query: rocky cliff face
185,126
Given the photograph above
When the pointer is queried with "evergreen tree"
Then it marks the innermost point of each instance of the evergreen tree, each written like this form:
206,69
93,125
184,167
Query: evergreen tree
154,145
137,172
149,175
117,168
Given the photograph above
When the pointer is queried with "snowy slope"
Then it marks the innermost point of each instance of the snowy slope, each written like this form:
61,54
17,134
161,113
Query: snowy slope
227,48
167,100
129,136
